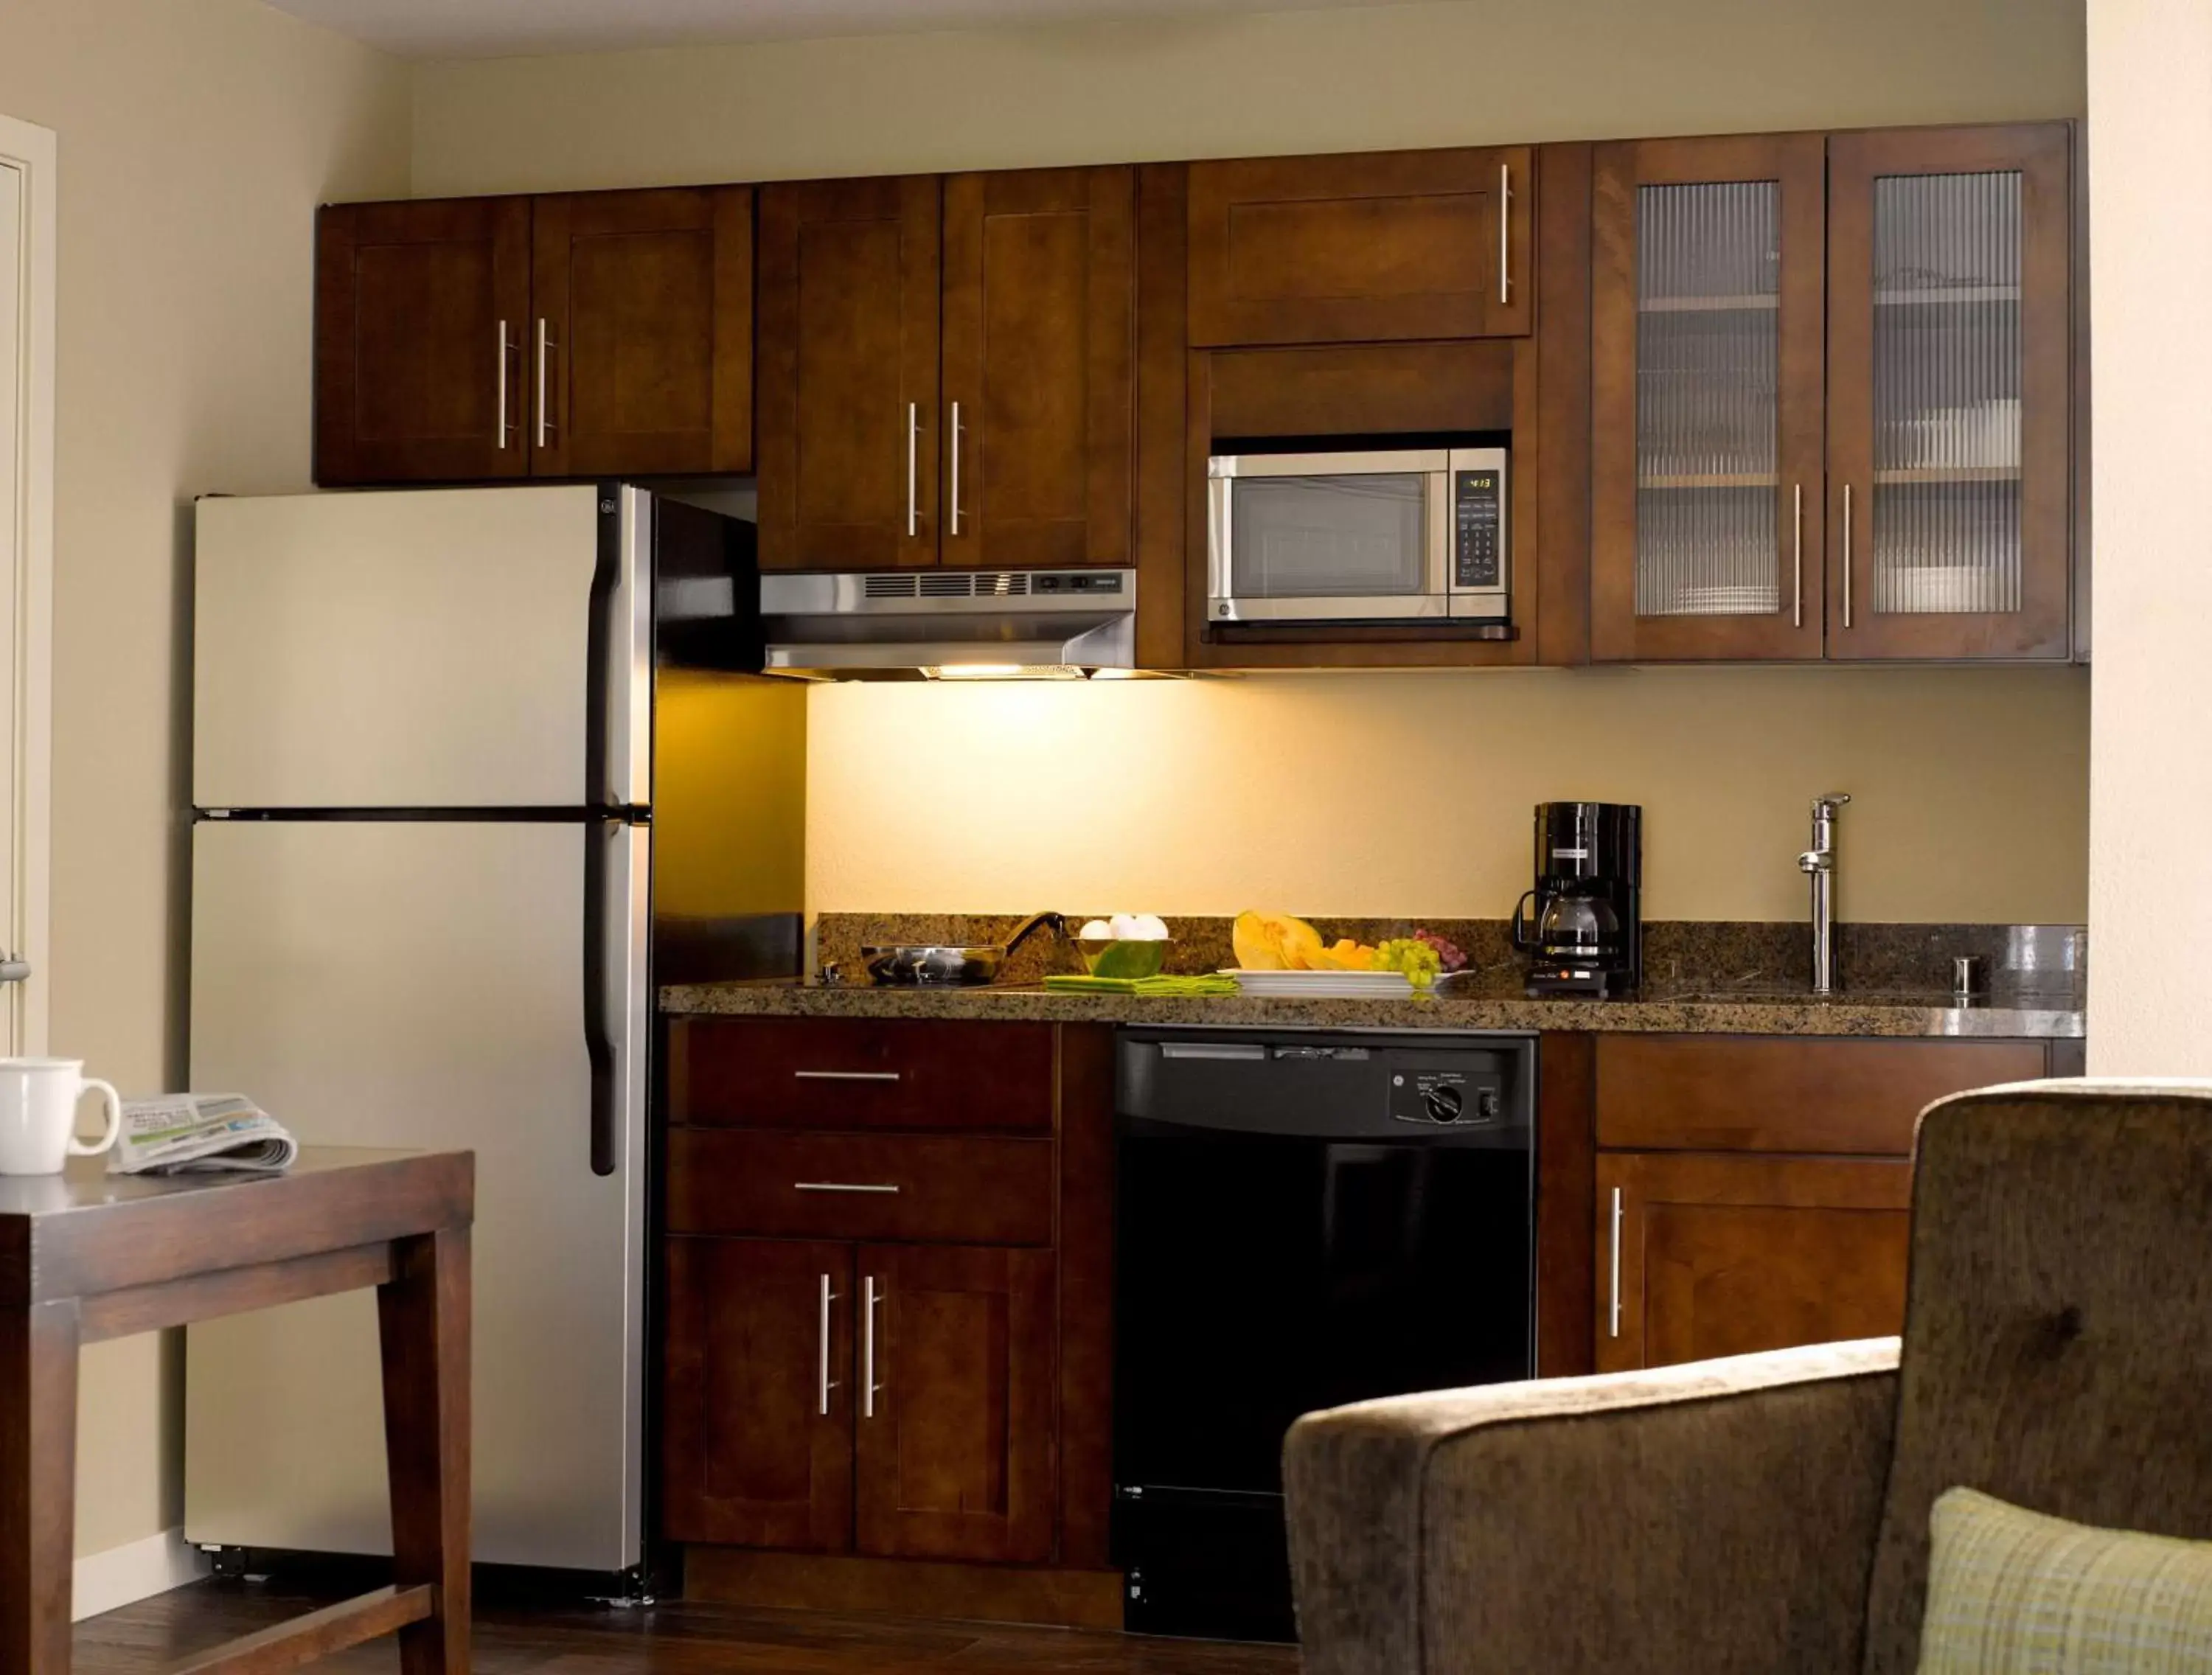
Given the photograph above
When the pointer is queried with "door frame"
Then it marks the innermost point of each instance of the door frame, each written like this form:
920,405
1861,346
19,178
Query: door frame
30,150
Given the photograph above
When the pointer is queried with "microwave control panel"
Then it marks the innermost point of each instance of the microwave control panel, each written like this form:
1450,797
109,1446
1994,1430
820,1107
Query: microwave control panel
1478,525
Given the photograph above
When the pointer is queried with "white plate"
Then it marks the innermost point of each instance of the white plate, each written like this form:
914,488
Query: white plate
1323,985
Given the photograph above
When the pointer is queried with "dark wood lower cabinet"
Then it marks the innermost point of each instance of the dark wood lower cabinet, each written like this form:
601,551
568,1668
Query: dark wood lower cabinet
940,1424
1720,1255
955,1461
758,1438
890,1400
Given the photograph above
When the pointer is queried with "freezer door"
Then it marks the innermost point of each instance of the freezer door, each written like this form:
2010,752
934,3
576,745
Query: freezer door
422,984
421,649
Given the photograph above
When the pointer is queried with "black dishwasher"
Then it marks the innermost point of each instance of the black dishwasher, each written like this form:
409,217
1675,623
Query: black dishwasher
1304,1219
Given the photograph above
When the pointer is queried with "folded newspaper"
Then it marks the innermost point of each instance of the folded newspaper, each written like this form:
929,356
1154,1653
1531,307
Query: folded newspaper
180,1132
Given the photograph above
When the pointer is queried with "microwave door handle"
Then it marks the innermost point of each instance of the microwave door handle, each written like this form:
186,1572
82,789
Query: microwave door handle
1221,491
1439,522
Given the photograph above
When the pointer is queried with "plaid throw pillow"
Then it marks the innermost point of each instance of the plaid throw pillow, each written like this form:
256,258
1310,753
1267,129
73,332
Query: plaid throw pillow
2014,1592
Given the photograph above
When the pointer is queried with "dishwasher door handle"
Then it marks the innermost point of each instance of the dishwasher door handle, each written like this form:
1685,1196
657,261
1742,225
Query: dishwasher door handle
1240,1050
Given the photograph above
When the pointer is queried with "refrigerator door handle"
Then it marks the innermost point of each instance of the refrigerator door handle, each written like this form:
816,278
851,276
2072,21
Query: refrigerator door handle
598,1033
617,692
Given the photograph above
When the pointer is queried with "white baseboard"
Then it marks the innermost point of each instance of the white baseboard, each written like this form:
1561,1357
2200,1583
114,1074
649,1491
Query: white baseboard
137,1570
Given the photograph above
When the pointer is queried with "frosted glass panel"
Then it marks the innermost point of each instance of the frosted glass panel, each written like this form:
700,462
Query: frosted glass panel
1328,536
1945,532
1708,337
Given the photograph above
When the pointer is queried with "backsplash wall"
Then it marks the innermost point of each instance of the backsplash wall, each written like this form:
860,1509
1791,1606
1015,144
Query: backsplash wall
1383,795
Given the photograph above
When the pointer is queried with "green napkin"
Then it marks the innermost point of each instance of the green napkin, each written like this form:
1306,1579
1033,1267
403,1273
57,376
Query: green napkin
1210,982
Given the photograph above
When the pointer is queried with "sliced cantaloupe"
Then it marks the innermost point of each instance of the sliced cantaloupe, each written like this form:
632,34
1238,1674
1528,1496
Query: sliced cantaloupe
1343,955
1258,948
1274,942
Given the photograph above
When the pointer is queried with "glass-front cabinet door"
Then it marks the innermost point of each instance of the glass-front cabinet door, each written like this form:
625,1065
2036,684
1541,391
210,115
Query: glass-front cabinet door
1706,330
1950,393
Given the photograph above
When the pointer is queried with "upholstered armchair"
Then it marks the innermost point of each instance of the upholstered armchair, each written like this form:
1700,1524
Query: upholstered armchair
1769,1513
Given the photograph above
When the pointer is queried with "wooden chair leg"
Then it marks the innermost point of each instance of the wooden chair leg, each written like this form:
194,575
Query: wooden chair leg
423,1314
38,1484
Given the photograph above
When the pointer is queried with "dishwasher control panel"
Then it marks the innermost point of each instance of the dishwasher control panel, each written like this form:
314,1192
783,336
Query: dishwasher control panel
1446,1094
1433,1088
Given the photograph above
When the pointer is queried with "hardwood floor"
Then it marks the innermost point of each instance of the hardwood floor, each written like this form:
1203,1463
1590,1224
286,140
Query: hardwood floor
666,1639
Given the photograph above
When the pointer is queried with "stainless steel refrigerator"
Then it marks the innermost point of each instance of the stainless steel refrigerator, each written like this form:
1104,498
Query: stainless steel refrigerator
472,769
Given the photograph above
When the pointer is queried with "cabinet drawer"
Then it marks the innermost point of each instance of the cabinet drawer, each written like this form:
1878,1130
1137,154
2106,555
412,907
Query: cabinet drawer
861,1073
1743,1093
977,1192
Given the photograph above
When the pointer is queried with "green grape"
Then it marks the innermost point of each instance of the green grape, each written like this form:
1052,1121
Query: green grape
1420,962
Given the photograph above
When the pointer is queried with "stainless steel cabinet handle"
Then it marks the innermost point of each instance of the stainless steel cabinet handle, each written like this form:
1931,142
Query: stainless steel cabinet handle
913,457
1797,556
546,347
843,1186
1615,1327
1847,555
1505,232
868,1385
845,1075
503,426
955,468
825,1383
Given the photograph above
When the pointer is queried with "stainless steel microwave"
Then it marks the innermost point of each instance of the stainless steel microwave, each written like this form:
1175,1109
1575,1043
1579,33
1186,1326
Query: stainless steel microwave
1387,535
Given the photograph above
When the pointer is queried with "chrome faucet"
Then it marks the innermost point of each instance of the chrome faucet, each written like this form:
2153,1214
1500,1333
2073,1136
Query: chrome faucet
1819,863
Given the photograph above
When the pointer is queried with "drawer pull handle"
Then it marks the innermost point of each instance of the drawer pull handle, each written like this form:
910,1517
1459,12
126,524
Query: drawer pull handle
843,1186
845,1076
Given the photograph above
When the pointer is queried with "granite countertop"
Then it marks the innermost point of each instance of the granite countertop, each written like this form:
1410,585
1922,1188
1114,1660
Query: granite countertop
1746,1013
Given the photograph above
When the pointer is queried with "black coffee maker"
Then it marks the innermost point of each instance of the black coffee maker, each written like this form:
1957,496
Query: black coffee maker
1586,934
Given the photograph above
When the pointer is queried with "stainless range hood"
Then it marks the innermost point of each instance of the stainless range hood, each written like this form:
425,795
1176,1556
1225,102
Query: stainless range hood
950,624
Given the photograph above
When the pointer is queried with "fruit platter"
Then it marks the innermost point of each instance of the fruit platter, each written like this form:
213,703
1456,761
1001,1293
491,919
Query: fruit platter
1279,954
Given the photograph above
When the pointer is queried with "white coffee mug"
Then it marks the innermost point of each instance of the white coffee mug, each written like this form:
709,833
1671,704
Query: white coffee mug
38,1115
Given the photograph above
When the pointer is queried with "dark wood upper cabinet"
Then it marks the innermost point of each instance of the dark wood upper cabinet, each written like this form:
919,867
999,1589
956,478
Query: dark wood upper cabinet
757,1438
1038,374
1705,351
1833,396
1785,397
846,416
1720,1255
421,313
1361,248
1950,392
642,332
955,1461
585,335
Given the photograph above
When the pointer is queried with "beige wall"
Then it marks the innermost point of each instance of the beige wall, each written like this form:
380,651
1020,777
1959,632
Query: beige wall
1352,78
2150,116
1972,784
1410,794
196,137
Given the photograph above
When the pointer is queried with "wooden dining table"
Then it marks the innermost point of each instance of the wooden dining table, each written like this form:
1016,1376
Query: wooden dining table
86,1255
